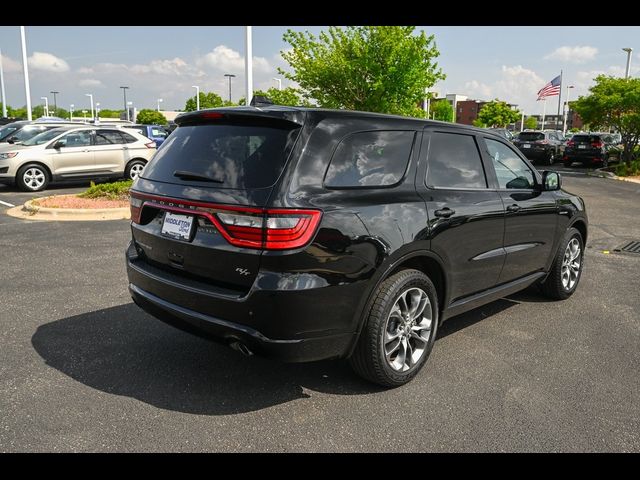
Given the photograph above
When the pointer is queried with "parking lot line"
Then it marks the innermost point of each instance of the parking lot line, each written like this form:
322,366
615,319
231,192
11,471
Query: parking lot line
7,204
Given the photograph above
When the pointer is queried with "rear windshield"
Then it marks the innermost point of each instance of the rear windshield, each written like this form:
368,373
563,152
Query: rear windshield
586,138
234,156
531,136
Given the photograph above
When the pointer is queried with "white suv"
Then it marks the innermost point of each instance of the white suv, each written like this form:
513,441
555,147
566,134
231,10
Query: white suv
74,153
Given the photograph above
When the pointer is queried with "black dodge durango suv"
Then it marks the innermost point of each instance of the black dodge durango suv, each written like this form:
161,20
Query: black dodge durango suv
307,234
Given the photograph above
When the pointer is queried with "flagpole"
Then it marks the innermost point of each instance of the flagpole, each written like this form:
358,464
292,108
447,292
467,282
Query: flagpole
544,111
559,100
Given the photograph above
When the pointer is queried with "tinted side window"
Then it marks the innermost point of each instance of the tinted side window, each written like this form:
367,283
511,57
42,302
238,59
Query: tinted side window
128,138
370,159
108,137
511,170
454,162
158,132
80,138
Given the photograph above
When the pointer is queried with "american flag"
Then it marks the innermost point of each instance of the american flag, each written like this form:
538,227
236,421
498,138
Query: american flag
551,89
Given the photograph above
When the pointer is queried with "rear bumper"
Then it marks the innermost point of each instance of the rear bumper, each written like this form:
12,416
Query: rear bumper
293,325
535,153
295,350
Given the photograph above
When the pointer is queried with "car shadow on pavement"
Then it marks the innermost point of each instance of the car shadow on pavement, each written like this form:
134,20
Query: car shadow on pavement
123,351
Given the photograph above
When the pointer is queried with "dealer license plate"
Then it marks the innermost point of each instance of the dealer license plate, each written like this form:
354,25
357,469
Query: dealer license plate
177,226
526,145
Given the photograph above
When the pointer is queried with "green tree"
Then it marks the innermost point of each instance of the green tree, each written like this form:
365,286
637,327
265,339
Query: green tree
613,102
150,117
106,113
442,110
497,113
207,100
373,68
574,130
288,96
531,123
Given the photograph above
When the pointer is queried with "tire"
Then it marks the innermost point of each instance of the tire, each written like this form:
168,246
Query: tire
550,157
32,177
605,162
384,322
133,167
555,285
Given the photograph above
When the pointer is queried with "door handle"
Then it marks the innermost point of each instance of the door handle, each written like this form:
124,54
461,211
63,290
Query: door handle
445,212
513,208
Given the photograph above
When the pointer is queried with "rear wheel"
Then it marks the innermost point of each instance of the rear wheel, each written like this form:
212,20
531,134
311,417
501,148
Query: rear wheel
550,157
32,178
134,168
567,266
400,330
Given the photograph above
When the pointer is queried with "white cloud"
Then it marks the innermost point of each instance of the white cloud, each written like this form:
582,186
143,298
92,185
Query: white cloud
478,88
9,65
91,82
86,71
47,62
573,54
177,66
226,59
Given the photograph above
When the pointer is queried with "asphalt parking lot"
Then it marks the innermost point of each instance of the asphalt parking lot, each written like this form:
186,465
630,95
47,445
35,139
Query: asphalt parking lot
83,369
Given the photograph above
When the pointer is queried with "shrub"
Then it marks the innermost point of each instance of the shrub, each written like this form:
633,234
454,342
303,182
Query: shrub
112,191
634,167
622,170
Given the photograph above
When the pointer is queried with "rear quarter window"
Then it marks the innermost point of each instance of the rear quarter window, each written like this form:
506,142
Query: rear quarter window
370,159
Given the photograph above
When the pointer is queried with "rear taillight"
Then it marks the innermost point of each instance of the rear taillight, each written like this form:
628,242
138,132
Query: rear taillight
248,227
150,145
136,208
597,144
571,143
543,142
272,229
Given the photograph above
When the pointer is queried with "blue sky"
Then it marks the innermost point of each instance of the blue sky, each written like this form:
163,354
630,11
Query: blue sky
511,63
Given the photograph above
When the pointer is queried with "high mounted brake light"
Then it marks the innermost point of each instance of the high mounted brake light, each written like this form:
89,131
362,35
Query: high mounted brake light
248,227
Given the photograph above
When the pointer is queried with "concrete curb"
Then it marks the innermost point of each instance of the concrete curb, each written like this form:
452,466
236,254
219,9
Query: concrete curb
602,174
29,211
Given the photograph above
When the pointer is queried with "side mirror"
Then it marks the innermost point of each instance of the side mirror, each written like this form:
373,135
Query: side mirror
551,180
59,144
12,140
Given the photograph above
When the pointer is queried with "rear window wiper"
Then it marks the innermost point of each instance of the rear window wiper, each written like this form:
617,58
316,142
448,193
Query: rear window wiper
184,175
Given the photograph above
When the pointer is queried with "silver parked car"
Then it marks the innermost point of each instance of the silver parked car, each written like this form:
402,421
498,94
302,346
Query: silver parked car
74,153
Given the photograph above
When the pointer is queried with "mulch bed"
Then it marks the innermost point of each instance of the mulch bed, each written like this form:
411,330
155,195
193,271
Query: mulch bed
72,201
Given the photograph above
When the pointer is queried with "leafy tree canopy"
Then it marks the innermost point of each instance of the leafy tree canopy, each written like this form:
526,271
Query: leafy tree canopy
150,117
497,113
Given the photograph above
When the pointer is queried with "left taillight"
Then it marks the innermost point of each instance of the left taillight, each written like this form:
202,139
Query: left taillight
150,145
136,207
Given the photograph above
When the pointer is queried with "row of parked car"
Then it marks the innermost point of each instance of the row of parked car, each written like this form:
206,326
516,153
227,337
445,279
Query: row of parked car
548,146
33,154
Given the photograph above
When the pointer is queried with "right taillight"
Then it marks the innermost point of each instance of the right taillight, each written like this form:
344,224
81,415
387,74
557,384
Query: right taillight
570,143
135,203
150,145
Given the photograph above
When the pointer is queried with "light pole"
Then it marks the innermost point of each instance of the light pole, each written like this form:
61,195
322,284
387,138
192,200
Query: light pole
71,112
628,50
129,106
248,64
159,101
566,111
55,104
279,80
197,96
25,68
97,118
46,106
124,93
230,76
91,97
4,98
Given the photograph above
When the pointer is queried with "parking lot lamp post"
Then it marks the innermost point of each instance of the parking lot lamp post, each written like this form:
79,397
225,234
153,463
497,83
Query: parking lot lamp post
97,118
522,122
91,97
55,103
197,96
159,102
4,99
46,106
71,112
124,93
279,80
248,64
25,68
544,111
628,70
129,107
566,111
230,76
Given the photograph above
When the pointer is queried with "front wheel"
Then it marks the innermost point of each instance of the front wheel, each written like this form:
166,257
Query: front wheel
134,168
32,178
400,330
566,269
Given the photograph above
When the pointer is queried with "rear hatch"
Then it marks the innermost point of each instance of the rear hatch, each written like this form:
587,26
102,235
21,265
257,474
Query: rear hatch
199,207
531,140
585,145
